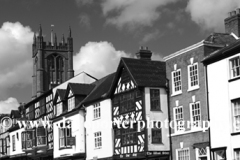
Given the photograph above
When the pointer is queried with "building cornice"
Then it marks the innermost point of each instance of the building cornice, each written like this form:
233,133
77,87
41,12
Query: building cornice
192,47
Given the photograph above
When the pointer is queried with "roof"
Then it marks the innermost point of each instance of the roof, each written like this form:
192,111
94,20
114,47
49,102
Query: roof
101,89
146,73
220,39
81,89
214,40
61,93
223,53
15,114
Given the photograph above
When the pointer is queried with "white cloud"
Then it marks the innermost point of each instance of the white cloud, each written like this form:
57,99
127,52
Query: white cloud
210,14
9,104
151,36
97,59
133,13
83,2
84,20
101,58
15,56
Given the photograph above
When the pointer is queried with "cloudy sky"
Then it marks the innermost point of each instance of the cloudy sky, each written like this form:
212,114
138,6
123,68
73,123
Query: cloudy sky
103,31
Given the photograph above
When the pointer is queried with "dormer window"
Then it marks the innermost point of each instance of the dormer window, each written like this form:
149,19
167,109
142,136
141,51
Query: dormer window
71,101
59,107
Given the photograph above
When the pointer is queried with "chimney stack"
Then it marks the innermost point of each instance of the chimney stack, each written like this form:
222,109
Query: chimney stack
232,23
144,53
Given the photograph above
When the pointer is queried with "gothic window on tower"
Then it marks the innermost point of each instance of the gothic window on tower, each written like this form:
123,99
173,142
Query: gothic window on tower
59,68
51,69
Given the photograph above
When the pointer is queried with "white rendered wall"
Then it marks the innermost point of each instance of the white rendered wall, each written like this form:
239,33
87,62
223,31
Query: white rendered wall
158,116
221,92
18,142
93,126
77,131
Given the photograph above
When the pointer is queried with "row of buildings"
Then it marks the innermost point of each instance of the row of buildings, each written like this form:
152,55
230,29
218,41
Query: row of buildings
198,84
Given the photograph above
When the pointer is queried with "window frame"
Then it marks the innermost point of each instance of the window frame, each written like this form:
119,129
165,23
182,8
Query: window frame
129,134
231,67
181,150
217,150
234,125
176,127
155,98
155,129
97,140
198,156
64,136
44,137
173,82
237,157
71,101
13,143
190,87
191,115
127,104
96,111
59,108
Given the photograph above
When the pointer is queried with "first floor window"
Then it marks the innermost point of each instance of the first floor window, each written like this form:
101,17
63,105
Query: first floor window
1,146
98,139
195,114
178,117
129,136
64,134
236,114
237,154
219,154
5,145
156,134
96,111
235,67
155,99
177,82
183,154
62,137
13,143
41,136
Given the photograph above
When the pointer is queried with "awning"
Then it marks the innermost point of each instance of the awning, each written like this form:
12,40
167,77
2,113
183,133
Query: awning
201,145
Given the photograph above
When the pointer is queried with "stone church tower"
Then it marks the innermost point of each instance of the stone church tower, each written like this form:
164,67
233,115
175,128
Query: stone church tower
52,62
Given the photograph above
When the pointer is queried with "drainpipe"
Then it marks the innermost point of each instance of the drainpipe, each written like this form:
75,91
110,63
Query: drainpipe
207,97
169,118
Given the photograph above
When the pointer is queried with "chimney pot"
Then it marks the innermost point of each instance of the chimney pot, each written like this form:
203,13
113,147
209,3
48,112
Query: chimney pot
144,54
229,14
238,11
233,13
141,48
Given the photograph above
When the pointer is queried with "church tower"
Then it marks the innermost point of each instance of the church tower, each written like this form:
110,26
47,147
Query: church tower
52,62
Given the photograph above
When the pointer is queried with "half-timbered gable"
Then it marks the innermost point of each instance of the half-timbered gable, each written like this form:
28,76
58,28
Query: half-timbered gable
75,93
38,138
59,102
133,78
